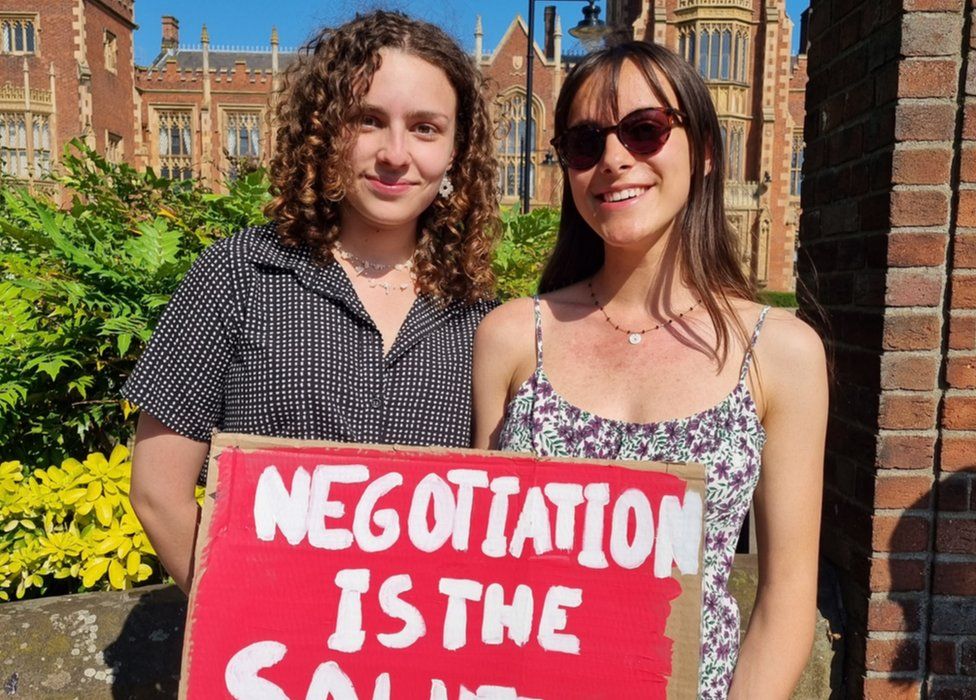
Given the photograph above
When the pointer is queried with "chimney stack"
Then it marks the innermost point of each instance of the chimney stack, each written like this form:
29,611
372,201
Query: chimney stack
550,20
171,32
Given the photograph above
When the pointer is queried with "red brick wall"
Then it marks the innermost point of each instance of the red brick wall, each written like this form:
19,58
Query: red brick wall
111,92
889,202
777,72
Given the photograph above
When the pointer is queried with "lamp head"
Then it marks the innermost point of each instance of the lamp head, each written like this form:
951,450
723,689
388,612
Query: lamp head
591,30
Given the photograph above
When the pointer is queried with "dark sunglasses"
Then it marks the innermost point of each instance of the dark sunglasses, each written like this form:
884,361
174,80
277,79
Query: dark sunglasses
642,132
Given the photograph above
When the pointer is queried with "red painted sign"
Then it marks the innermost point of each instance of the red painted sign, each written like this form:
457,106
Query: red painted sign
352,572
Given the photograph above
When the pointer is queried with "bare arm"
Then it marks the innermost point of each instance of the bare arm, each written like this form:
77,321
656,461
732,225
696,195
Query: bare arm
165,467
787,502
503,357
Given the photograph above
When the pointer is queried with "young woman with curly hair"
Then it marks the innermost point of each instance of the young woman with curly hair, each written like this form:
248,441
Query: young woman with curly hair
656,349
351,315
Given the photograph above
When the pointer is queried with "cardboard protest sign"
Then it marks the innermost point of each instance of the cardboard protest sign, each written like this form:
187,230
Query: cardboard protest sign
341,571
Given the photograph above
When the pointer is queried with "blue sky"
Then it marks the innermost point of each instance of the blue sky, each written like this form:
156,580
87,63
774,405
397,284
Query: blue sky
249,22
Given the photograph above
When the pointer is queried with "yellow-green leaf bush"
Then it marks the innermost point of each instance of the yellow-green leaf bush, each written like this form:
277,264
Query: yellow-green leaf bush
70,528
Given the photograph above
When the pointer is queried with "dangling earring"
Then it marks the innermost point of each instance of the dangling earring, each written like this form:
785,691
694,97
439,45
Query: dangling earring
447,187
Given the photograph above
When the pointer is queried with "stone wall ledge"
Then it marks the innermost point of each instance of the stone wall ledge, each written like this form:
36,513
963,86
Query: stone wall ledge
128,644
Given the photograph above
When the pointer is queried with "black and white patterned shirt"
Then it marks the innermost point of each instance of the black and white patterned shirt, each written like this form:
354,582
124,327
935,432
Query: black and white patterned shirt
259,339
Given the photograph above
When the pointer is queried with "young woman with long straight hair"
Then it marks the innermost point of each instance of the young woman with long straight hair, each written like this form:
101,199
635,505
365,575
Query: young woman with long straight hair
646,342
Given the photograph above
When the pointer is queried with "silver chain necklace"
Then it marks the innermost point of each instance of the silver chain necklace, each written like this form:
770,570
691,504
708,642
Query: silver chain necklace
363,266
635,337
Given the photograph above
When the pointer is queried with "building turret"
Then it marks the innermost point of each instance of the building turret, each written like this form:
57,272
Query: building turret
479,36
205,50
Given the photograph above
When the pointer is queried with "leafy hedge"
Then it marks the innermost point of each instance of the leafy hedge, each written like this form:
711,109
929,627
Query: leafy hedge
81,289
782,299
523,250
71,528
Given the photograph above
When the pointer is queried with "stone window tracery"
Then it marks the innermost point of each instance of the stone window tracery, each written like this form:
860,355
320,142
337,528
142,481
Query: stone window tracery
242,140
114,151
13,144
42,145
18,34
175,145
719,51
733,139
111,49
796,163
510,147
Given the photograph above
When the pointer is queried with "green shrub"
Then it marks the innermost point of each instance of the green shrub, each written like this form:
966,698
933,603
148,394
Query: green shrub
524,248
781,299
82,288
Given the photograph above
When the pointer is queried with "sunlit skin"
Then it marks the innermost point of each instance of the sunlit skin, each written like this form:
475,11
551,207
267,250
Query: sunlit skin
674,371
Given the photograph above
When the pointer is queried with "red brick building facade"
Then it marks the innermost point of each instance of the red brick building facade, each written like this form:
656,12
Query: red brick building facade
202,111
66,71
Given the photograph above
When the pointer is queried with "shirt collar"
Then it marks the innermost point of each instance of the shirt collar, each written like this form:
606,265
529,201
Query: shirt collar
331,281
327,279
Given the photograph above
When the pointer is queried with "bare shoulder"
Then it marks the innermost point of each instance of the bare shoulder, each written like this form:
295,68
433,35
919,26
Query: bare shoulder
504,344
507,322
790,341
790,360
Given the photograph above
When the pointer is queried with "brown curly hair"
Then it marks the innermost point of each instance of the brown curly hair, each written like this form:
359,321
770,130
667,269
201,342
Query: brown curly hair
321,94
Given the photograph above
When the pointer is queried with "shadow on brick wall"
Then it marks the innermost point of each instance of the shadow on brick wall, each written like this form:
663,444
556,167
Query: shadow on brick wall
935,624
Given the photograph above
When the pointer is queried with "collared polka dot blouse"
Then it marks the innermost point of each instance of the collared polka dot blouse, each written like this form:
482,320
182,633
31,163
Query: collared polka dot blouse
259,339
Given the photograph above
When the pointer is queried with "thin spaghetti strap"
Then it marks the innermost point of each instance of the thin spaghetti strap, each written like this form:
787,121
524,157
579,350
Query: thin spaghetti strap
747,360
538,331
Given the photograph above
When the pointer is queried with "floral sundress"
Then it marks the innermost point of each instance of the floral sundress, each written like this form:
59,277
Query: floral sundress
727,439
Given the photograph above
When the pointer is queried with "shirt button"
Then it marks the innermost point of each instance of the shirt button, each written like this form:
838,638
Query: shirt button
376,402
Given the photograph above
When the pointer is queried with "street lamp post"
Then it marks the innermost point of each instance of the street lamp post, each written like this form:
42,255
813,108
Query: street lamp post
589,29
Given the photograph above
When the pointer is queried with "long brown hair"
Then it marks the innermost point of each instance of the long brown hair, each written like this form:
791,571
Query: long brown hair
706,242
323,92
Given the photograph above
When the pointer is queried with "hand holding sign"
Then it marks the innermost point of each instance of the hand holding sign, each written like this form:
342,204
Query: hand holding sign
444,572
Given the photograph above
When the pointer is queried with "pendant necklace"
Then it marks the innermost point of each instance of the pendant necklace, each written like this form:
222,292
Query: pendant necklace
635,337
362,267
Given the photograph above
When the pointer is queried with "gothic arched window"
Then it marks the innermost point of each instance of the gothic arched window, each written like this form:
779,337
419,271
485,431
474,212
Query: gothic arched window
796,164
726,53
511,145
13,144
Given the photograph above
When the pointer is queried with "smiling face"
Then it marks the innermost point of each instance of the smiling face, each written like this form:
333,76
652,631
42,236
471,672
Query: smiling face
403,143
630,200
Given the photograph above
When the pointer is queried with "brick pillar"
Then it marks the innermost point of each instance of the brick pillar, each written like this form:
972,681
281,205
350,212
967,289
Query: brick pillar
888,243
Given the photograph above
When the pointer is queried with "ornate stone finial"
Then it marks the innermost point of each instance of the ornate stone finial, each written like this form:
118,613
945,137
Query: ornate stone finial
204,35
274,35
478,31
